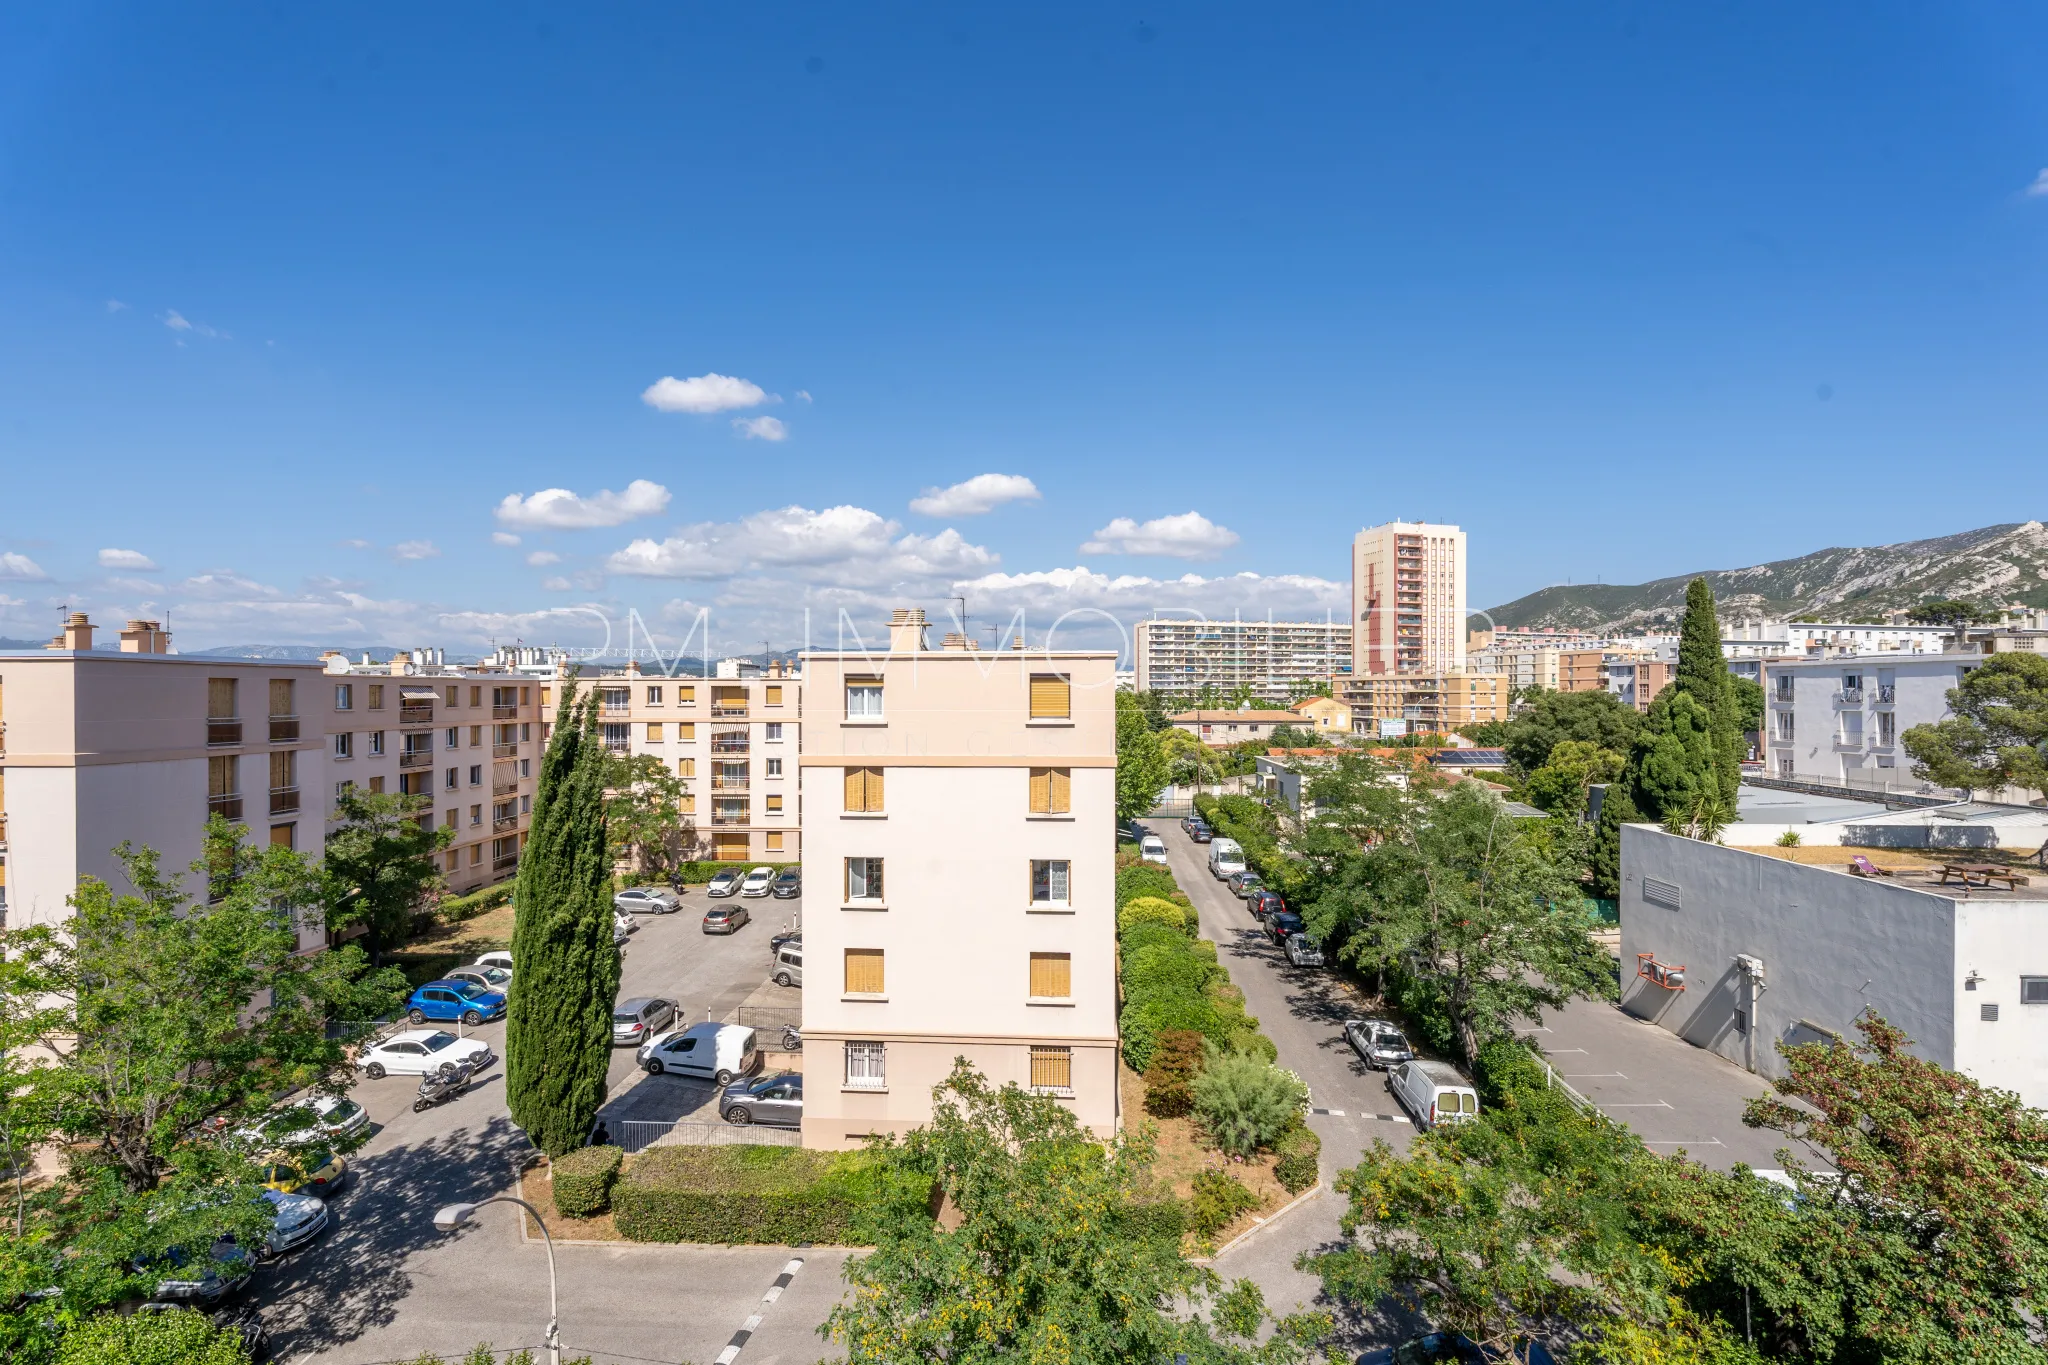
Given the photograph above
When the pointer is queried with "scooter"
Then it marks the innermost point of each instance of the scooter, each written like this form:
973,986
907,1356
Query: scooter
792,1038
444,1084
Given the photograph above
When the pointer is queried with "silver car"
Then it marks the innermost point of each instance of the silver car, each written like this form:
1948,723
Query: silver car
636,1020
767,1099
647,900
725,883
1379,1043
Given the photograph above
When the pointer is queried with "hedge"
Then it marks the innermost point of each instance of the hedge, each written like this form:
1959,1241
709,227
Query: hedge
744,1193
1300,1151
583,1180
1144,879
1153,910
699,871
1248,820
455,909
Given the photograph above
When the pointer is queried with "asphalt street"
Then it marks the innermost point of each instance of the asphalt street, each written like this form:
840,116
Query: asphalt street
384,1285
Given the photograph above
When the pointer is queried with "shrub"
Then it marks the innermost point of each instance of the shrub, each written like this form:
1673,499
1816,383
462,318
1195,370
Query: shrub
1164,1218
457,908
743,1193
177,1336
583,1180
1153,910
1165,968
1169,1081
1143,1022
1789,839
1144,879
1300,1151
1146,935
1245,1102
1218,1198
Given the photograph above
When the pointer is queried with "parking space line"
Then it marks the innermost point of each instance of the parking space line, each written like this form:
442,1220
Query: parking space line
1593,1075
1636,1104
753,1323
1684,1142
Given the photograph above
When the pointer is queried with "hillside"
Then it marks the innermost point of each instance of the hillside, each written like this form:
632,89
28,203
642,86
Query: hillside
1999,565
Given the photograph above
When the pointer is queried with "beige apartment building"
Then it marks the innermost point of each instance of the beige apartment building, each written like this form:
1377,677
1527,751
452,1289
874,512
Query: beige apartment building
1427,702
734,743
960,879
1273,658
1221,729
1408,599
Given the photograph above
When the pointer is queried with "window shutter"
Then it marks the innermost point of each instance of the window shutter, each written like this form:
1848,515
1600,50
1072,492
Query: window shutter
281,696
687,730
856,790
1041,791
220,698
864,971
281,770
1058,789
772,696
688,803
874,783
1051,976
1052,1068
1050,697
654,732
686,767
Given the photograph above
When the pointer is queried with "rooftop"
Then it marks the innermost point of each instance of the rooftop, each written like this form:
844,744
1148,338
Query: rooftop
1919,869
1255,717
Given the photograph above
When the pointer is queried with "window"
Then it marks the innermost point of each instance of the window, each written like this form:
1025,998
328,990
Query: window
454,864
772,695
454,779
526,805
1052,1068
451,818
687,803
1887,727
686,730
686,696
284,771
454,695
547,695
654,696
344,696
864,1067
1852,727
864,790
526,767
863,698
476,855
2034,990
1049,881
774,767
220,699
476,774
525,731
774,729
864,879
476,696
476,736
281,701
377,784
1051,697
1785,766
376,696
284,836
454,737
774,838
376,743
654,732
686,767
1051,791
1052,976
774,806
344,745
476,815
864,971
1785,726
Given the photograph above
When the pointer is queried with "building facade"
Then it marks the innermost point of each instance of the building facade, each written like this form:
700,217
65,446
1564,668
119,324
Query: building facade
1408,599
959,880
1221,729
1426,702
1838,721
1273,658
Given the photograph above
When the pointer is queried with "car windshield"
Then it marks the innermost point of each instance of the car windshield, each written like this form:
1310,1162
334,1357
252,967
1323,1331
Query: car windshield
435,1042
342,1111
468,989
625,1016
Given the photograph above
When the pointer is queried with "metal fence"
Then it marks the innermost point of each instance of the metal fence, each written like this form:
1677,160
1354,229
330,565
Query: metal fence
637,1135
769,1020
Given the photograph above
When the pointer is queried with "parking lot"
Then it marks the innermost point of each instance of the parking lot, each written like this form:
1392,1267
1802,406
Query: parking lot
384,1285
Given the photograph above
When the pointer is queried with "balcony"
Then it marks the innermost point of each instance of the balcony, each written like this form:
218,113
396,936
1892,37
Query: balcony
284,800
617,746
505,787
503,861
504,712
505,750
284,729
504,779
1887,695
416,715
1849,696
739,819
416,758
223,732
226,807
727,711
504,822
728,784
728,746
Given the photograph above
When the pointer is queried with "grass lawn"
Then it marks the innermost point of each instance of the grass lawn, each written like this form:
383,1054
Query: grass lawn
450,945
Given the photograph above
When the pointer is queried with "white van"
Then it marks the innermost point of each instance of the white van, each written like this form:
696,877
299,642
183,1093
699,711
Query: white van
716,1052
1433,1093
1225,857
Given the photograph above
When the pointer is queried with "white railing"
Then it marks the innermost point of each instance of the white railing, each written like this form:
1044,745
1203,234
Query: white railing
637,1135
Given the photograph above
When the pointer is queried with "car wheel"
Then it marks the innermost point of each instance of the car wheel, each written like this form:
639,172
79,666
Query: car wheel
472,1018
416,1016
374,1070
654,1066
739,1114
723,1077
782,978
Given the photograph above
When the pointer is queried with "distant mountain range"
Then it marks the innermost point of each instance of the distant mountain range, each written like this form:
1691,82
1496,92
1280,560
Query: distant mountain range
1997,566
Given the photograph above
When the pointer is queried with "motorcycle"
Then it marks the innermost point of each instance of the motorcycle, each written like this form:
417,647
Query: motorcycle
792,1038
445,1084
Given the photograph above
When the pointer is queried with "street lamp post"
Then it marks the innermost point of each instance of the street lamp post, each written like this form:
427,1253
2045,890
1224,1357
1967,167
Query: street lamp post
455,1215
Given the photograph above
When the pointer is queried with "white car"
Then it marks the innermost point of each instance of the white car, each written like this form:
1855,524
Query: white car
501,959
759,882
1152,849
419,1051
322,1118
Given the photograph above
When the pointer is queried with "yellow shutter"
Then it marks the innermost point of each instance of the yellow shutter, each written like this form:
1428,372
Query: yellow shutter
864,971
730,848
775,803
220,698
687,803
1052,1068
1052,976
281,697
1041,791
686,730
856,790
775,841
686,696
771,696
454,695
1050,698
281,770
547,696
220,776
686,767
1059,784
654,732
875,790
281,835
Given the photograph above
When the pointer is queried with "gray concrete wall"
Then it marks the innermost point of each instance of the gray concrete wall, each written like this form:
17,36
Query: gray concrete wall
1831,945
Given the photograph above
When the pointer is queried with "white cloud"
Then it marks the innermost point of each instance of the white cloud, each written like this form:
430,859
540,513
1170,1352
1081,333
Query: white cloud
564,510
1046,595
115,306
842,546
541,558
178,322
503,538
355,544
804,394
2039,189
705,393
556,584
415,549
761,428
6,601
1187,536
972,497
19,566
133,560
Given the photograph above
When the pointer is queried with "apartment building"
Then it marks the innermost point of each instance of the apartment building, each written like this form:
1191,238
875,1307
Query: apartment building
959,878
1408,599
99,747
734,742
1523,638
1273,658
467,737
1838,721
1426,702
1221,729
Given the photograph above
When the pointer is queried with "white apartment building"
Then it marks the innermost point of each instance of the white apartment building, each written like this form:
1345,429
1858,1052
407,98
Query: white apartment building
1838,721
1408,599
959,880
734,743
1273,658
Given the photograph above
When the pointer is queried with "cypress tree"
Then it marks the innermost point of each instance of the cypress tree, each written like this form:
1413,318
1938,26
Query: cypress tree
1703,672
565,978
1616,810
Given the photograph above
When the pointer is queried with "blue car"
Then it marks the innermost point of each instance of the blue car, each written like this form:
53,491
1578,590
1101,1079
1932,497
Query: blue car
464,1000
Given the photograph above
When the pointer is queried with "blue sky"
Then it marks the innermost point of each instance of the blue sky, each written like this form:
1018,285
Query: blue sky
296,297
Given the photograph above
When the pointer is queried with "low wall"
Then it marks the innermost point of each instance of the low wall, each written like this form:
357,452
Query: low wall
1754,834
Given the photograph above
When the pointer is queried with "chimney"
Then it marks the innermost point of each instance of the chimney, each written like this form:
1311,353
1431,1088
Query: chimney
145,637
77,633
1017,642
906,630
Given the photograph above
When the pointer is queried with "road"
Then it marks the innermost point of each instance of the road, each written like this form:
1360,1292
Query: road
383,1285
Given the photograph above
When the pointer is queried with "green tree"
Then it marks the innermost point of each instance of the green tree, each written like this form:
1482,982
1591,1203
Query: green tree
166,1012
1155,706
644,814
1946,611
565,967
1301,689
1295,737
1749,704
1559,786
1617,808
1674,773
1141,770
1599,718
1703,672
1244,695
379,863
1188,760
1997,735
179,1336
1474,911
1060,1251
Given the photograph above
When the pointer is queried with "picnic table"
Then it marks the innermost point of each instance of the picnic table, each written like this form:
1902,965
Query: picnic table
1982,874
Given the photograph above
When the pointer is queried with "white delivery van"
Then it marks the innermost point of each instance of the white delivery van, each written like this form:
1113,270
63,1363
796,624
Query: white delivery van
1225,857
1433,1093
716,1052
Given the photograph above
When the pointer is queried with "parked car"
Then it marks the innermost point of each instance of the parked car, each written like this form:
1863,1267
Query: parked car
1450,1348
1379,1043
317,1120
622,928
782,937
418,1051
1281,923
313,1171
483,978
759,882
789,884
501,959
1245,884
1264,903
724,883
1152,849
725,919
1201,833
1433,1093
300,1218
1188,823
720,1052
1226,856
647,900
1302,951
789,964
200,1281
766,1099
640,1018
445,999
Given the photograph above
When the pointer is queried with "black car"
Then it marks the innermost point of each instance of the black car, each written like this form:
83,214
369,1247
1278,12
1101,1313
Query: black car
1281,923
789,885
1264,903
725,919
